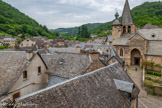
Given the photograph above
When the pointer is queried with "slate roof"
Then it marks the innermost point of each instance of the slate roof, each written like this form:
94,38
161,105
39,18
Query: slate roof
33,48
147,33
116,22
114,54
55,80
66,65
110,38
126,16
150,26
96,47
93,90
124,85
154,48
123,39
12,64
67,50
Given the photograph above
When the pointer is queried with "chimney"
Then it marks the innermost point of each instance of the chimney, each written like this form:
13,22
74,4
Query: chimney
29,54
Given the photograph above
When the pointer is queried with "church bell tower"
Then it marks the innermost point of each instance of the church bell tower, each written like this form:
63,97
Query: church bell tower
116,28
126,26
127,20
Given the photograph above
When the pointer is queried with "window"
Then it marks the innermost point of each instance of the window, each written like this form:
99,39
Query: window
124,29
39,70
25,74
16,95
61,61
129,29
121,52
21,44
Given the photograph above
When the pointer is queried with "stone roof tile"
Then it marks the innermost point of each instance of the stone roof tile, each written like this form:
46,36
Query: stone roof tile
94,90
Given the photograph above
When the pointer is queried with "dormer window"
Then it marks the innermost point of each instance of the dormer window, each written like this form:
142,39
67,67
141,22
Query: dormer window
61,61
153,35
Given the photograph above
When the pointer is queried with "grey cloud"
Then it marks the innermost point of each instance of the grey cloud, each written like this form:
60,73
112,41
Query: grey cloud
70,13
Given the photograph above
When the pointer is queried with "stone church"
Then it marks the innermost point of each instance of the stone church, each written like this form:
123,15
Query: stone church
136,45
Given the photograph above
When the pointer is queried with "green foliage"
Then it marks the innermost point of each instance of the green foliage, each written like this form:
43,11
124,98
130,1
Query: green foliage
2,47
153,73
149,12
83,32
153,92
13,22
149,83
146,63
74,30
154,80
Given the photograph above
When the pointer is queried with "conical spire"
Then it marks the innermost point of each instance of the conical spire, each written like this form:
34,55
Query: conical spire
127,17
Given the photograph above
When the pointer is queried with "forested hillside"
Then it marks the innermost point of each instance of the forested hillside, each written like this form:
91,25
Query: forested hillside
148,12
14,22
74,30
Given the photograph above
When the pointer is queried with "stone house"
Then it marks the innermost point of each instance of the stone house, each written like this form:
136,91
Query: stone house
21,73
107,87
108,40
10,41
27,43
60,43
136,45
33,43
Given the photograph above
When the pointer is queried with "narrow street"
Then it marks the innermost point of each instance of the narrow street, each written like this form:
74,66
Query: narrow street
145,101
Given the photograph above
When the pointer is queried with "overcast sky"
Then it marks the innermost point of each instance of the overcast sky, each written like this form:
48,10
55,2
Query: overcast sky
70,13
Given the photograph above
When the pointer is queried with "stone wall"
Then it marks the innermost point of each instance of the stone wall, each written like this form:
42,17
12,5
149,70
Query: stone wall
96,63
155,59
156,89
116,32
132,45
33,82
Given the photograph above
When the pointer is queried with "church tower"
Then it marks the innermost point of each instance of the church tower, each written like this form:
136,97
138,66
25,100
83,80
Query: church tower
116,28
127,20
126,26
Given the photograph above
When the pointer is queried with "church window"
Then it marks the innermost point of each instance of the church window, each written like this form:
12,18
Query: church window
129,29
121,52
124,29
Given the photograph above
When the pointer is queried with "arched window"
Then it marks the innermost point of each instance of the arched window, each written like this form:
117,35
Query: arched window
124,29
129,29
121,52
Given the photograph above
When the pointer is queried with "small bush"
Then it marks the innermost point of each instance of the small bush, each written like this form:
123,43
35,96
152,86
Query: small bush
147,83
148,78
156,81
153,73
153,93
